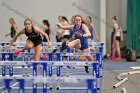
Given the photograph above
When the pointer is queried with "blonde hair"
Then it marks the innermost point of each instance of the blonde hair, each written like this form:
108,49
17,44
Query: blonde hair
12,19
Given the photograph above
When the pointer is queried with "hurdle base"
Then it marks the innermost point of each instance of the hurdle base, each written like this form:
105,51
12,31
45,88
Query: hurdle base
50,88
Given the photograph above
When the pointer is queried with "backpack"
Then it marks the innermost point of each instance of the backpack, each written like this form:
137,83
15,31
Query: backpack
131,55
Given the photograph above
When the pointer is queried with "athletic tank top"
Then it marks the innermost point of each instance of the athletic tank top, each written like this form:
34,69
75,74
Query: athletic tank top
118,32
13,32
91,32
33,35
48,33
83,39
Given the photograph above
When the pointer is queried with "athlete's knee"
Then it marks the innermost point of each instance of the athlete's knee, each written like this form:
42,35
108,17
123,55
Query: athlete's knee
79,43
78,40
91,58
28,46
36,58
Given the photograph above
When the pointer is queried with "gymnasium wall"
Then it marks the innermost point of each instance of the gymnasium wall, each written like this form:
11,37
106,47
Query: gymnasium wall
38,10
50,9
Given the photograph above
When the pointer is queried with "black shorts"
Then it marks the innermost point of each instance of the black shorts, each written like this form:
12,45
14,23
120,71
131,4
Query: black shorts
66,37
36,42
118,38
58,39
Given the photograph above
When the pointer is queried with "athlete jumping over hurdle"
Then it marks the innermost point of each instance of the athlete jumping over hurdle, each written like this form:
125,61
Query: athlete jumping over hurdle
34,39
80,41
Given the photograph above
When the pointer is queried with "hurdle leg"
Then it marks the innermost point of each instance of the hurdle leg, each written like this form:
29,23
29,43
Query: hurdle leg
7,85
28,70
35,69
34,88
50,70
50,67
3,56
3,70
45,88
10,57
101,65
98,71
21,85
44,72
58,67
68,59
91,86
58,71
35,74
99,59
3,67
96,74
11,70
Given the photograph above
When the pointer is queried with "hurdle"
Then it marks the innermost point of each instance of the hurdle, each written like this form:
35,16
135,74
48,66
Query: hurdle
21,81
54,43
59,57
53,63
90,82
55,46
95,66
99,59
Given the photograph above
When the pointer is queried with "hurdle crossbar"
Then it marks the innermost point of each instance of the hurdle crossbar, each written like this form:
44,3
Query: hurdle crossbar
44,80
48,88
54,63
55,43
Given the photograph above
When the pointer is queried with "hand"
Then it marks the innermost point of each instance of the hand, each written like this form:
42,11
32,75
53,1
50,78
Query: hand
49,44
6,35
79,34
